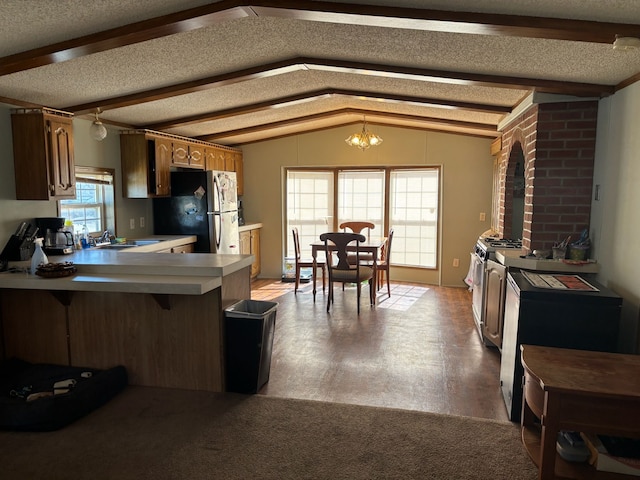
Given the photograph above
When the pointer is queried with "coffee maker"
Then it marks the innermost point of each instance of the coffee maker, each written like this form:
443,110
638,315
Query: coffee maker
56,240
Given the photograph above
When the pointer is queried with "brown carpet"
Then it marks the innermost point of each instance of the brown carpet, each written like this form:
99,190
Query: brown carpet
152,433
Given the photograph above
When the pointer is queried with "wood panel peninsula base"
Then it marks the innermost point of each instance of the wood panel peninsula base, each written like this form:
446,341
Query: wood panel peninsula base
158,314
585,391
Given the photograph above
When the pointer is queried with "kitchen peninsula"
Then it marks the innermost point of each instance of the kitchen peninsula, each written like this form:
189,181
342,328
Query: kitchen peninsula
158,314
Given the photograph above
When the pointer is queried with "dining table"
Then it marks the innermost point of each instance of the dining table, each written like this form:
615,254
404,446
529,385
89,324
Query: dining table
373,245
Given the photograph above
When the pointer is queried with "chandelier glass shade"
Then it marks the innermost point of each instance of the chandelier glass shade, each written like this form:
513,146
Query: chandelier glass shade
363,139
97,130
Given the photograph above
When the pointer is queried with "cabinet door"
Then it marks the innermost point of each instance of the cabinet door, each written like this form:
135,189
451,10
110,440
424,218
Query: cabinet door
61,164
209,158
162,164
255,251
219,163
494,304
180,156
239,169
245,242
183,249
229,162
196,156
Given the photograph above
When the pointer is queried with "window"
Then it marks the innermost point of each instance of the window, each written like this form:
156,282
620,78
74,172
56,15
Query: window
93,208
413,213
309,206
406,199
361,197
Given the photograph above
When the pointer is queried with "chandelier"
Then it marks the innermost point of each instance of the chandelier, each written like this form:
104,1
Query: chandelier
97,130
363,139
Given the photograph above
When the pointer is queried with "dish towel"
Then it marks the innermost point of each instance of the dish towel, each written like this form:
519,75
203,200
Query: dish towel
470,280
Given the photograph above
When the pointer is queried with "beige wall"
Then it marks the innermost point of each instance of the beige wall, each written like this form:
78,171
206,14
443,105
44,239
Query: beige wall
88,152
615,221
466,187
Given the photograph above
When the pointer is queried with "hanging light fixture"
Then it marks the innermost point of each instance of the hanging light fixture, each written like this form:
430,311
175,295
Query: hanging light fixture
97,130
363,139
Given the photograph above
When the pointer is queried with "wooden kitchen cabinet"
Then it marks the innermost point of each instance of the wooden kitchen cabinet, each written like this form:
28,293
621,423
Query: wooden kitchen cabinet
188,154
148,156
228,160
255,251
43,154
214,158
187,248
146,160
239,169
250,245
494,305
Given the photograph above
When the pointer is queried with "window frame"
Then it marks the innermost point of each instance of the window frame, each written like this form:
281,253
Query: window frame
387,192
108,202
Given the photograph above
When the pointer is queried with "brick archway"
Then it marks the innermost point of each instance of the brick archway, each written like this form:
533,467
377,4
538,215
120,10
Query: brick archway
558,144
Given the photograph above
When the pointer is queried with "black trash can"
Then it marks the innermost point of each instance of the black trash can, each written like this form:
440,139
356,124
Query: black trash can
248,330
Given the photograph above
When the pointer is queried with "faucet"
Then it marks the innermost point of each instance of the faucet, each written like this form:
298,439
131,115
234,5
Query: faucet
106,236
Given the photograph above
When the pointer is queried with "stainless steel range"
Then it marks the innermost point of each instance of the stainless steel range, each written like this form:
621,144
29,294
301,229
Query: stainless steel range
484,252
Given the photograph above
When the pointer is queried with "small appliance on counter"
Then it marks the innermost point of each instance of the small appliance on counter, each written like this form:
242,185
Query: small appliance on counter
20,245
56,240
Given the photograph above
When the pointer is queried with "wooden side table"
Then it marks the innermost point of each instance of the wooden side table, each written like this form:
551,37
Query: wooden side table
577,390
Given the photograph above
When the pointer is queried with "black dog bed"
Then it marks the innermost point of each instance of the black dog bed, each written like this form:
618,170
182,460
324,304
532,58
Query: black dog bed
28,402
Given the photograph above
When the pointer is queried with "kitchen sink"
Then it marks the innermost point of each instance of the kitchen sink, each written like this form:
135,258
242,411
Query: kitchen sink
141,242
129,244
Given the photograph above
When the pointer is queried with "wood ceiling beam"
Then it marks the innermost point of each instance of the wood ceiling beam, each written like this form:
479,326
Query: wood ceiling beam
158,27
358,68
488,128
381,16
308,97
448,21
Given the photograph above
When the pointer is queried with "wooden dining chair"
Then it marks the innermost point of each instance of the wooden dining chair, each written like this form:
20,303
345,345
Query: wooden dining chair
343,271
306,263
382,266
358,227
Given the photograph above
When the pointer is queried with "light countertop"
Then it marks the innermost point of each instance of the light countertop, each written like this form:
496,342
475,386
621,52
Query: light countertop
511,258
249,226
136,270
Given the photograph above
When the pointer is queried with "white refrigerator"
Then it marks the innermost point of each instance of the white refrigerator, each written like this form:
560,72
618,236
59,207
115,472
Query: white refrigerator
202,203
224,214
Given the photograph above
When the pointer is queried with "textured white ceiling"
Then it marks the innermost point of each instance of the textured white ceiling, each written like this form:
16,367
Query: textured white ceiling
242,43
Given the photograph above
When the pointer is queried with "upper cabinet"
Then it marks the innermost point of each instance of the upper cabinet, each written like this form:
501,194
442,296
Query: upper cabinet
148,157
43,154
146,160
227,159
188,154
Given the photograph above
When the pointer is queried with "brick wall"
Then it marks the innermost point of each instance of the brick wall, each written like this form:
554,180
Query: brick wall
557,142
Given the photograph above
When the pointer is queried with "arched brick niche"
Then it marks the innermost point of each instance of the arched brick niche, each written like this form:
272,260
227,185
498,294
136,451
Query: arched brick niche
558,147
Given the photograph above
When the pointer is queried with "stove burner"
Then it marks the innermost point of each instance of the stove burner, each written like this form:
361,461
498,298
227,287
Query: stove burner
486,246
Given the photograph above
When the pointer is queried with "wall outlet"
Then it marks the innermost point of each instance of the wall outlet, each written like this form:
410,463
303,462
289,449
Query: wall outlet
132,223
483,216
456,262
141,222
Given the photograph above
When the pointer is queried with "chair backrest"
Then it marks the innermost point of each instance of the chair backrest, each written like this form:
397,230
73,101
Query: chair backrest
341,240
358,227
387,250
296,242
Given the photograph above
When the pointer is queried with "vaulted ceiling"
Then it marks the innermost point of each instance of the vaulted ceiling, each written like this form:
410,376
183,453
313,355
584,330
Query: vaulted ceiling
235,72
